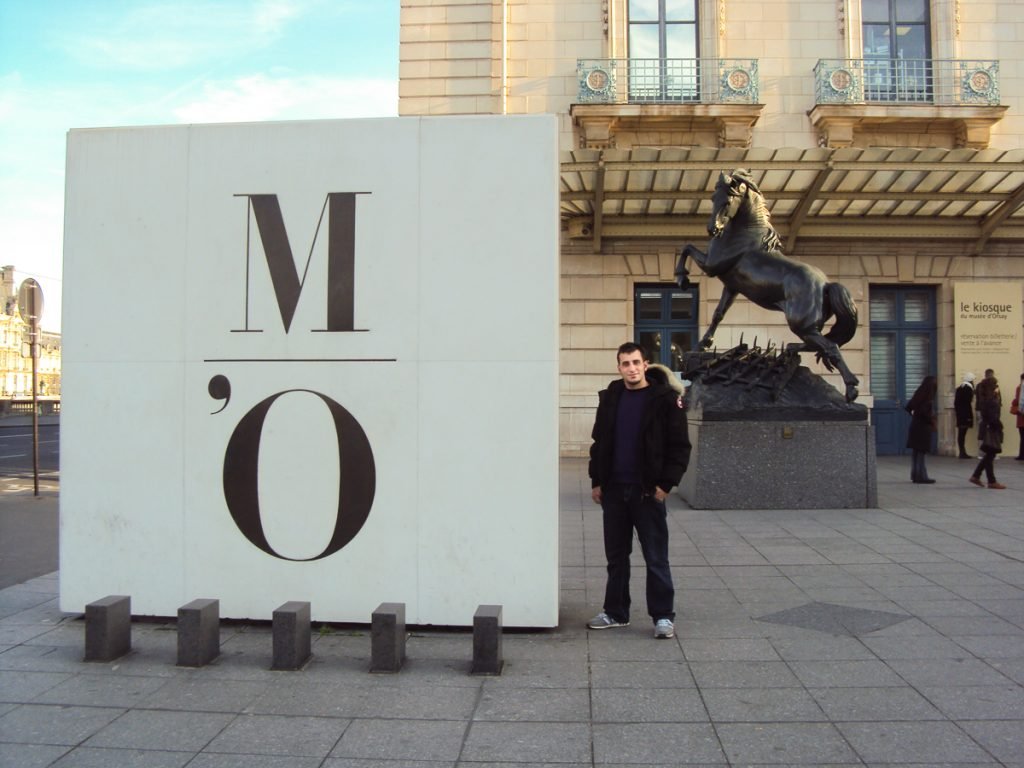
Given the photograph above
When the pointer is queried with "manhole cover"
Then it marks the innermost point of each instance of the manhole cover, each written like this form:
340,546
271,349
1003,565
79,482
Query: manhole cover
835,619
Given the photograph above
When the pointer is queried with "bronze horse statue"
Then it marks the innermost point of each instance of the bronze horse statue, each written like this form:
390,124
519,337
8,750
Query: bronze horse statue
745,254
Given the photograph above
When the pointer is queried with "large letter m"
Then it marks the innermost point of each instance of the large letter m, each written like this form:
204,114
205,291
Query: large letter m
341,239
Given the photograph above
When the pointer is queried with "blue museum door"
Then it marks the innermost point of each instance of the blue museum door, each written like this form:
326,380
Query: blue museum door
902,354
665,322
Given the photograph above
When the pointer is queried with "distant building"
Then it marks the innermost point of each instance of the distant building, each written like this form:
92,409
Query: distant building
15,362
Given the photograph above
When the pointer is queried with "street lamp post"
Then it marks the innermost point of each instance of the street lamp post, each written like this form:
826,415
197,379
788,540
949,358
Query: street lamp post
30,306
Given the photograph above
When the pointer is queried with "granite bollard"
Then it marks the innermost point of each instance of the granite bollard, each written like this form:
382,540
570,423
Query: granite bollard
108,628
291,629
198,633
387,638
487,657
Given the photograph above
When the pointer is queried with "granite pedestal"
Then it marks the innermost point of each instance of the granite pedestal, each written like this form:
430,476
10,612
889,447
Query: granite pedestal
780,465
768,433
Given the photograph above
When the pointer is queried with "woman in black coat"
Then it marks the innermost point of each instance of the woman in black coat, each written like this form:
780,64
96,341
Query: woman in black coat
963,406
922,425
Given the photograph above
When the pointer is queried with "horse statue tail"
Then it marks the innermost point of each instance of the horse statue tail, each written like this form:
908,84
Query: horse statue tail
838,302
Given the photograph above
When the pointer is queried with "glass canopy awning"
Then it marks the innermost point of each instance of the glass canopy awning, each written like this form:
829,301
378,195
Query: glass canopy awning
969,195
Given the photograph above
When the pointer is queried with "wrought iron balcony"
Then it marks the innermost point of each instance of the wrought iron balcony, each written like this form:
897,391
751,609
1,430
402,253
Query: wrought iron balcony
938,82
667,81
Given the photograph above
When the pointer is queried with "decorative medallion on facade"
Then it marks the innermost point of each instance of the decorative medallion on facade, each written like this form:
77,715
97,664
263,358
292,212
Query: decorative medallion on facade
739,83
597,82
838,84
980,84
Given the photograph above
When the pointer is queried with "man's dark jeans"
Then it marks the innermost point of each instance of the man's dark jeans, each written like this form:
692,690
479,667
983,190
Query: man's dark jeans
627,507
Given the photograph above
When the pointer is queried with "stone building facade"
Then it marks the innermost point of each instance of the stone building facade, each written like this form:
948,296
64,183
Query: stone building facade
15,364
886,135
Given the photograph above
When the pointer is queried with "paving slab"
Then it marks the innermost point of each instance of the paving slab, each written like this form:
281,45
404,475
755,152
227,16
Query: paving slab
402,740
882,704
50,724
917,742
648,705
541,705
656,744
279,735
785,743
163,731
762,705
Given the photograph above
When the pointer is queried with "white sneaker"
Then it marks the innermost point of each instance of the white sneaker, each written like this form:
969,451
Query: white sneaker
664,629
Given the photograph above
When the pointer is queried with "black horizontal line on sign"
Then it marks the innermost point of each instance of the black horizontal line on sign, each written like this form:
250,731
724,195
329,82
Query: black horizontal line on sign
301,360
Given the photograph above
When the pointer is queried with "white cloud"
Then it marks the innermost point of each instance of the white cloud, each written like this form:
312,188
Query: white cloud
261,97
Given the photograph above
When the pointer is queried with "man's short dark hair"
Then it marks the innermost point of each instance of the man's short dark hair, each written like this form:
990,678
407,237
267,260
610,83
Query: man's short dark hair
629,348
989,372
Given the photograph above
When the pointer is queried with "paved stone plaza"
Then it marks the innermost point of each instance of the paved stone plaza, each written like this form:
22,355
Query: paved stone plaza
878,637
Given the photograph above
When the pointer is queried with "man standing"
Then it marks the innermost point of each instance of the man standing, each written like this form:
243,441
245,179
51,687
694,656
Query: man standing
640,451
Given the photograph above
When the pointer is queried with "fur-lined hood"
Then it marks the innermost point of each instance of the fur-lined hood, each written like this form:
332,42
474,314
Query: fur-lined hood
665,376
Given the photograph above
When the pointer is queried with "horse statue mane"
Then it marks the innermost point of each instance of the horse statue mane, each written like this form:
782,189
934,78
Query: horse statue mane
771,240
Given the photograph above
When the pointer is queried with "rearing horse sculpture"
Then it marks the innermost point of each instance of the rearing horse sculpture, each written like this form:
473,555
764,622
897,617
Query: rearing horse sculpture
745,254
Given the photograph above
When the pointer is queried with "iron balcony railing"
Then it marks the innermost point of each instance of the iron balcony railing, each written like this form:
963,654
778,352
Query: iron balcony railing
667,81
941,82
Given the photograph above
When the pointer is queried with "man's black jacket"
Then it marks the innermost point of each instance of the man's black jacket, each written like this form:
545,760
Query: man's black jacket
663,433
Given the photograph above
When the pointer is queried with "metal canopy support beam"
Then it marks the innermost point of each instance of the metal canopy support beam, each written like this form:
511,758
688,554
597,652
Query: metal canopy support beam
598,203
701,194
901,228
1000,214
804,207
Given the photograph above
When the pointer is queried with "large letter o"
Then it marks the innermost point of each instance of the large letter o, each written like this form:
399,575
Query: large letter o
356,485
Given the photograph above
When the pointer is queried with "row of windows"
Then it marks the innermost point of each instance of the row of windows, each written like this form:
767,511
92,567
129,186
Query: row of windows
667,29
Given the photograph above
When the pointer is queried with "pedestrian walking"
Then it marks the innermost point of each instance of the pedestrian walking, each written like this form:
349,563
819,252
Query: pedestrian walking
990,426
987,397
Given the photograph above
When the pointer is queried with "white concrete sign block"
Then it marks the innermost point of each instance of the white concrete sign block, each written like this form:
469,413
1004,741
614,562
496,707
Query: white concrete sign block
313,361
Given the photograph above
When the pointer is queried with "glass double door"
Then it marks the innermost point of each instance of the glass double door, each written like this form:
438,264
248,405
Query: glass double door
665,322
902,354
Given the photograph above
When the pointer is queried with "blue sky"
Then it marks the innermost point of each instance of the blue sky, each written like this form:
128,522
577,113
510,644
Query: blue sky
86,63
